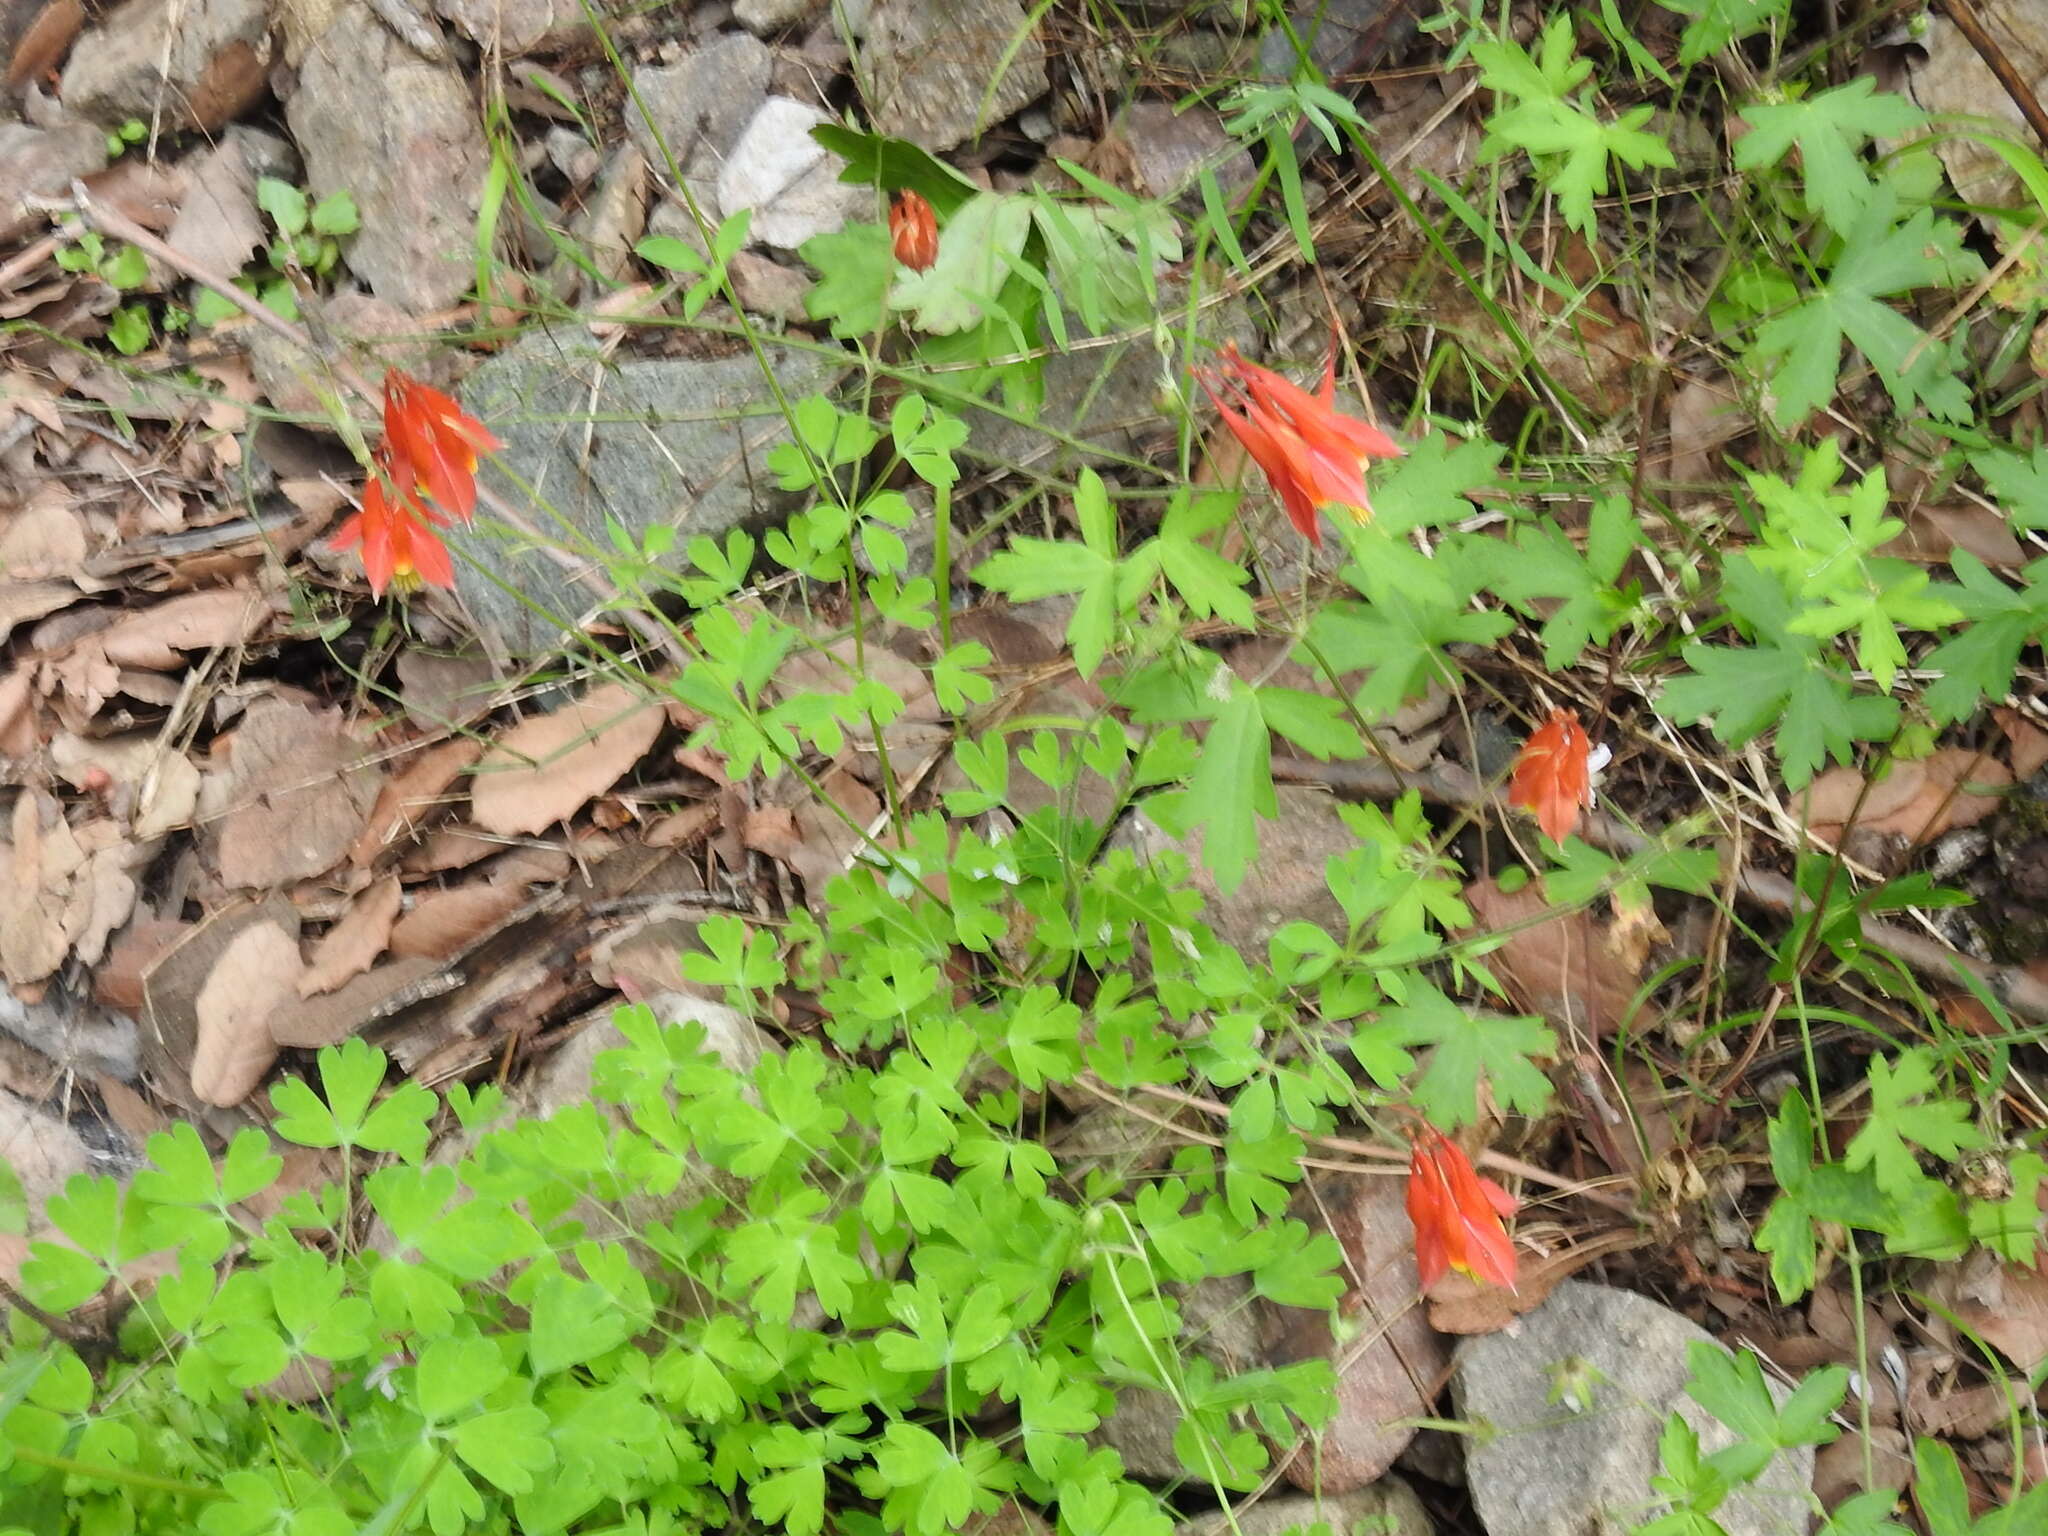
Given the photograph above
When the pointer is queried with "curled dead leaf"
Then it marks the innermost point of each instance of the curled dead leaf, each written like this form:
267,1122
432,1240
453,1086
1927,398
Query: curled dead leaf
443,923
352,944
300,794
1577,971
1918,799
255,978
547,768
155,637
411,796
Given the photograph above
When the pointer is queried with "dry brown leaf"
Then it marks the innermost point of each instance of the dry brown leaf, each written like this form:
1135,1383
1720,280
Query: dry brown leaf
1562,964
134,1116
169,795
2027,749
679,827
43,537
2009,1307
255,978
411,796
110,897
1459,1304
352,944
300,794
117,983
44,42
23,602
545,769
43,906
443,692
530,865
1934,532
449,848
17,713
219,226
1918,800
443,923
154,637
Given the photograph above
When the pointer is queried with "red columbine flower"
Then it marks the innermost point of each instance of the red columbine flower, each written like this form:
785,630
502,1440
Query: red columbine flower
913,230
1553,774
1312,453
1457,1215
439,439
396,529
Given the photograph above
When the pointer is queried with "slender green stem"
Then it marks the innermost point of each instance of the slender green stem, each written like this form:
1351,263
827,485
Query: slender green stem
125,1476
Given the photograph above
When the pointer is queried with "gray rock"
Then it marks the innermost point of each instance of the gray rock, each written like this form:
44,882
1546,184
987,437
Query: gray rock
187,63
926,70
787,178
1544,1472
1218,1323
697,109
1285,883
572,154
766,287
400,135
1341,35
1113,400
765,18
1388,1508
677,441
1390,1359
1163,150
38,162
516,27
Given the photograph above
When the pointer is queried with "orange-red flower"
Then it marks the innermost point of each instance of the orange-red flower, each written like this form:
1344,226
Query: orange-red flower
1553,774
913,230
1457,1215
433,434
1312,453
396,529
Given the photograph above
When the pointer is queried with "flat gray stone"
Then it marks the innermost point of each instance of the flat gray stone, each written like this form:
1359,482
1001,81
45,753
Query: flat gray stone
644,441
765,18
926,69
1388,1508
1112,400
190,63
516,27
698,108
400,135
787,178
1545,1472
38,162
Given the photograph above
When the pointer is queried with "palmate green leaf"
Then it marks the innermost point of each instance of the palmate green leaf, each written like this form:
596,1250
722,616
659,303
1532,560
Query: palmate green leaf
571,1321
509,1446
1798,354
1829,129
1233,785
2019,481
1745,692
1548,125
1731,1387
1470,1046
1717,23
1907,1110
855,266
1982,659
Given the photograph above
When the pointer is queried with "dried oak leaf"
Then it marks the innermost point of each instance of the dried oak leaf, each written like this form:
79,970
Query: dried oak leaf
255,978
1575,970
545,769
444,923
155,637
412,795
44,903
300,793
2027,742
352,944
117,983
1919,799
